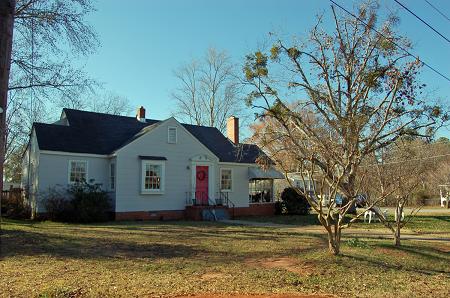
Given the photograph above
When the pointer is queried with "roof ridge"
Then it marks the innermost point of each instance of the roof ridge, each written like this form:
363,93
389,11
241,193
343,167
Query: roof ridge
131,117
106,114
204,126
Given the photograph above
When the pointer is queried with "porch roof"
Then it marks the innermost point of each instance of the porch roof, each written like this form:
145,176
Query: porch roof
258,173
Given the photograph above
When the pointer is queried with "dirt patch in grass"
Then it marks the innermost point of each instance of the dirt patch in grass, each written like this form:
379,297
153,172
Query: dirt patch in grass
259,296
445,248
286,263
392,252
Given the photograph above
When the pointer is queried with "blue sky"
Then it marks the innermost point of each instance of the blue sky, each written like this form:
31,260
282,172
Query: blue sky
142,42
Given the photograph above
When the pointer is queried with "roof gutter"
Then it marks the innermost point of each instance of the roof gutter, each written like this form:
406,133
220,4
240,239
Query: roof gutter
75,154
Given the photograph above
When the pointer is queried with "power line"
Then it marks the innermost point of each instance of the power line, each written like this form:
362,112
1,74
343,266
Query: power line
408,160
396,44
418,146
417,159
429,26
440,12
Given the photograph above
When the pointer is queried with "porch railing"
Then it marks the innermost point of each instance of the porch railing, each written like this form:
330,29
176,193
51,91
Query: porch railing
199,198
223,198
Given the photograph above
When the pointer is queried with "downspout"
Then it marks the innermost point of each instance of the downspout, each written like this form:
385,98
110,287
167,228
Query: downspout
29,175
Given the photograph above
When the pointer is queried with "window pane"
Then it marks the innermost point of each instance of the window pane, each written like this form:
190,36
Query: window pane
152,179
172,135
260,190
112,176
77,171
226,179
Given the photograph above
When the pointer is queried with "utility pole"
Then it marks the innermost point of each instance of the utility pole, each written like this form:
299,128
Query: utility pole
7,9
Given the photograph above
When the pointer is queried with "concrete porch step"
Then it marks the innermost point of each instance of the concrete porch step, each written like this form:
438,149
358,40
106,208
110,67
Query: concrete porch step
214,213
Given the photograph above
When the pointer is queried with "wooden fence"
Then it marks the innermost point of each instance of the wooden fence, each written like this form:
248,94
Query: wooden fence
11,197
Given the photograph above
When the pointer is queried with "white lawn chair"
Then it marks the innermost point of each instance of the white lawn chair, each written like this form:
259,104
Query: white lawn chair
370,214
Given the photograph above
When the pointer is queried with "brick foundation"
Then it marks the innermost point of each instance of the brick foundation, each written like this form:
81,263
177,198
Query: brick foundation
151,215
255,210
195,213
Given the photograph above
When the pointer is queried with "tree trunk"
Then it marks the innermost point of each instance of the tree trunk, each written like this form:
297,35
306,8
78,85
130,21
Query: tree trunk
332,248
398,223
7,8
397,237
334,240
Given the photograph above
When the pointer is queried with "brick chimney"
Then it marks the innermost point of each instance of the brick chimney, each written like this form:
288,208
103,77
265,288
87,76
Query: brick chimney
140,114
233,129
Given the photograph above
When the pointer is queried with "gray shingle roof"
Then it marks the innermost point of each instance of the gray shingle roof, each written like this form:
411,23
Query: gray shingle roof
98,133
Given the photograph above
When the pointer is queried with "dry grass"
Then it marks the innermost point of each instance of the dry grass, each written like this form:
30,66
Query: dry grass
191,258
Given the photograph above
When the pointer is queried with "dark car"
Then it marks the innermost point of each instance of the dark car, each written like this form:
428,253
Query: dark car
361,200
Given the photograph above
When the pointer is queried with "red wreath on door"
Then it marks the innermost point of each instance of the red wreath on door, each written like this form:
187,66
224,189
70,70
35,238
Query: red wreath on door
201,175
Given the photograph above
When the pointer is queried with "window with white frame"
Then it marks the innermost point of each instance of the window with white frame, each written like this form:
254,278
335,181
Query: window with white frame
112,176
172,135
226,179
153,179
260,190
77,171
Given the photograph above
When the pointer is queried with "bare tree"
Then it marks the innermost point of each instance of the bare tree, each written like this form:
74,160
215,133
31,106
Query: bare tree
438,168
361,93
270,135
209,91
13,165
48,36
110,103
398,169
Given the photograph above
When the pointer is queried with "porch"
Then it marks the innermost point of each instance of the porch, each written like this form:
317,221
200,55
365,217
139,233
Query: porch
250,187
200,206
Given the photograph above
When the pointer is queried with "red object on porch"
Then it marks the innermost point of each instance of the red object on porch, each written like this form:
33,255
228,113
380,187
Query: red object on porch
201,185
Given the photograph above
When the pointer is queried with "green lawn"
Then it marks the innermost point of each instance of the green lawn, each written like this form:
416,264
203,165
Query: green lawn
420,224
45,259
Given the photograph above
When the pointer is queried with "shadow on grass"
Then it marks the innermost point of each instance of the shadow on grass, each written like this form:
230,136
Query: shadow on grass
29,243
298,220
147,241
443,218
428,253
177,230
425,254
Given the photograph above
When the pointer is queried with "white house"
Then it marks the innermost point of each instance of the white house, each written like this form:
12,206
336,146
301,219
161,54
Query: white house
152,169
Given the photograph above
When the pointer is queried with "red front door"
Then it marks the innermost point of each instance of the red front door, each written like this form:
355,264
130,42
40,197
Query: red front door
201,185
